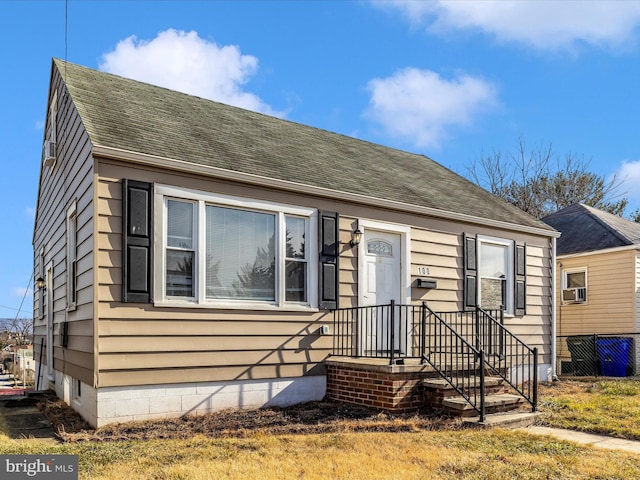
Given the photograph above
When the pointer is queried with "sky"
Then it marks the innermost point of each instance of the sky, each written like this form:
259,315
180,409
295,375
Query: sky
451,80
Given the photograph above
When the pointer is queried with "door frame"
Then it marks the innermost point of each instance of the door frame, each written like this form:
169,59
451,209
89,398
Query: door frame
405,257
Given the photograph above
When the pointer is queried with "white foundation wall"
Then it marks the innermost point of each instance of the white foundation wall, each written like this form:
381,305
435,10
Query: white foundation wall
124,404
524,373
85,403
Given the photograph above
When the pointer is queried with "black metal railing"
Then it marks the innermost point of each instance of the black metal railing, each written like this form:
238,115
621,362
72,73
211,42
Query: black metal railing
475,328
455,344
508,356
388,331
454,358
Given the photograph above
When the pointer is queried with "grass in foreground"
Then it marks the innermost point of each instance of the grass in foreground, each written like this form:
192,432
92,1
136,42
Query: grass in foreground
311,443
470,454
609,407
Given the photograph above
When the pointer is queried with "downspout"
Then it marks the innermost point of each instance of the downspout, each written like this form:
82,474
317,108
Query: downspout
554,365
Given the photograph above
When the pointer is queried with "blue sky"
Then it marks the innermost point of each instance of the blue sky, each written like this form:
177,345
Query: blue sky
450,80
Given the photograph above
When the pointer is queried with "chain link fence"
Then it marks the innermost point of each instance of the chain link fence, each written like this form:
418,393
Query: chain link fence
599,354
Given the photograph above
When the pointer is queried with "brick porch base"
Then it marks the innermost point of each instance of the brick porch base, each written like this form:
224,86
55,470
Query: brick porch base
375,383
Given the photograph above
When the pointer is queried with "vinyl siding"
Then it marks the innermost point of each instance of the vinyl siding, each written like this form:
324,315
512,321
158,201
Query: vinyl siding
144,344
611,292
175,344
71,179
348,264
442,253
636,305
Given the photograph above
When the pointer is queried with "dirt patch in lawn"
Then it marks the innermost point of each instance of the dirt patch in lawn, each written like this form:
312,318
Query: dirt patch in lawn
313,417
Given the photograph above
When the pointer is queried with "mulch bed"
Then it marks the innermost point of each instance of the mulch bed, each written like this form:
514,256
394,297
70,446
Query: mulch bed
308,418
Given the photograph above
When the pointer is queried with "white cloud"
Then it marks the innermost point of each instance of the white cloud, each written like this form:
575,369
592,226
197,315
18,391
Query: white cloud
541,24
418,105
629,175
185,62
20,292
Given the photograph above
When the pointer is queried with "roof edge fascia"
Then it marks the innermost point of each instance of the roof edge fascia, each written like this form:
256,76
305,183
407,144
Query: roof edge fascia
635,246
221,173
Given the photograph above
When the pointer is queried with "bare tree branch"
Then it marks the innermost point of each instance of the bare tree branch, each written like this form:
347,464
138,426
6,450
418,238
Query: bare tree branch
540,182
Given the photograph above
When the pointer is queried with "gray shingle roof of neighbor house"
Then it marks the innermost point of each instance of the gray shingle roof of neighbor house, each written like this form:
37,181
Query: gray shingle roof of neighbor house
128,115
587,229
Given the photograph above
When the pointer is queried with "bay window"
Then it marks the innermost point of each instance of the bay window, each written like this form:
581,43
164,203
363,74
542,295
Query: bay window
228,251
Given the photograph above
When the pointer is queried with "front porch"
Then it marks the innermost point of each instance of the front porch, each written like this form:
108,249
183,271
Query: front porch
404,357
376,383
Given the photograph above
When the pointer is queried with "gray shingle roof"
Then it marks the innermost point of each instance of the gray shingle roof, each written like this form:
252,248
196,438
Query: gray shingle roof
587,229
130,115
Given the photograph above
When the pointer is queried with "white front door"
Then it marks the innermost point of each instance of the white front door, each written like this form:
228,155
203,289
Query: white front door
381,283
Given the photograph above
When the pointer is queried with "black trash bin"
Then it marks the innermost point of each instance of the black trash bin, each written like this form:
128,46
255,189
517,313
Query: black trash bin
584,358
614,356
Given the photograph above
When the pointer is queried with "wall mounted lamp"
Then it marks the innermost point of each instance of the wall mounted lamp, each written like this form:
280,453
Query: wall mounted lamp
40,285
356,236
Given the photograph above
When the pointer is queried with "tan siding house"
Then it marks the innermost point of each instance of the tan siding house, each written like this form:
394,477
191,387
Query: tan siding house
598,278
194,254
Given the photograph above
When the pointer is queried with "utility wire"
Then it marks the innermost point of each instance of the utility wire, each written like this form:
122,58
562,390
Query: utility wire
66,36
26,290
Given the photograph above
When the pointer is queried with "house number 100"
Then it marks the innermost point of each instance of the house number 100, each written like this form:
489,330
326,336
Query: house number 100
423,270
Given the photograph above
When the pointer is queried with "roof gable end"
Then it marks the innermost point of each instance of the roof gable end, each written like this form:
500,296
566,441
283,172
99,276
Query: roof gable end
586,229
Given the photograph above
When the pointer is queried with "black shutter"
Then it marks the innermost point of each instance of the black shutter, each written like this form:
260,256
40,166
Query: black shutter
137,235
329,251
520,286
470,272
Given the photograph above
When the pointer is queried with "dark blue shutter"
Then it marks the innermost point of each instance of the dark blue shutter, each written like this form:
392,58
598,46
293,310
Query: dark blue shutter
137,248
329,251
470,260
520,286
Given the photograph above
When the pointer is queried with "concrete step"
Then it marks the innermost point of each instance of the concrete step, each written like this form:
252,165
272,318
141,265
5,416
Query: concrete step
439,388
510,420
442,384
492,402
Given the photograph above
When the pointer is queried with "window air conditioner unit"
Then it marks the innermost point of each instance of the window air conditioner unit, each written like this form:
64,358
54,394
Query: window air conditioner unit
49,153
574,295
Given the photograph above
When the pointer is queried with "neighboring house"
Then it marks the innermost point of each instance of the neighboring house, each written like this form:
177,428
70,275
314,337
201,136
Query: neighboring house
25,364
192,254
598,282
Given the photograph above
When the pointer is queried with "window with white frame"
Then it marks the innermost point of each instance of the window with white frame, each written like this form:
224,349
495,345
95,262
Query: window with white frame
72,255
495,271
574,285
231,251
